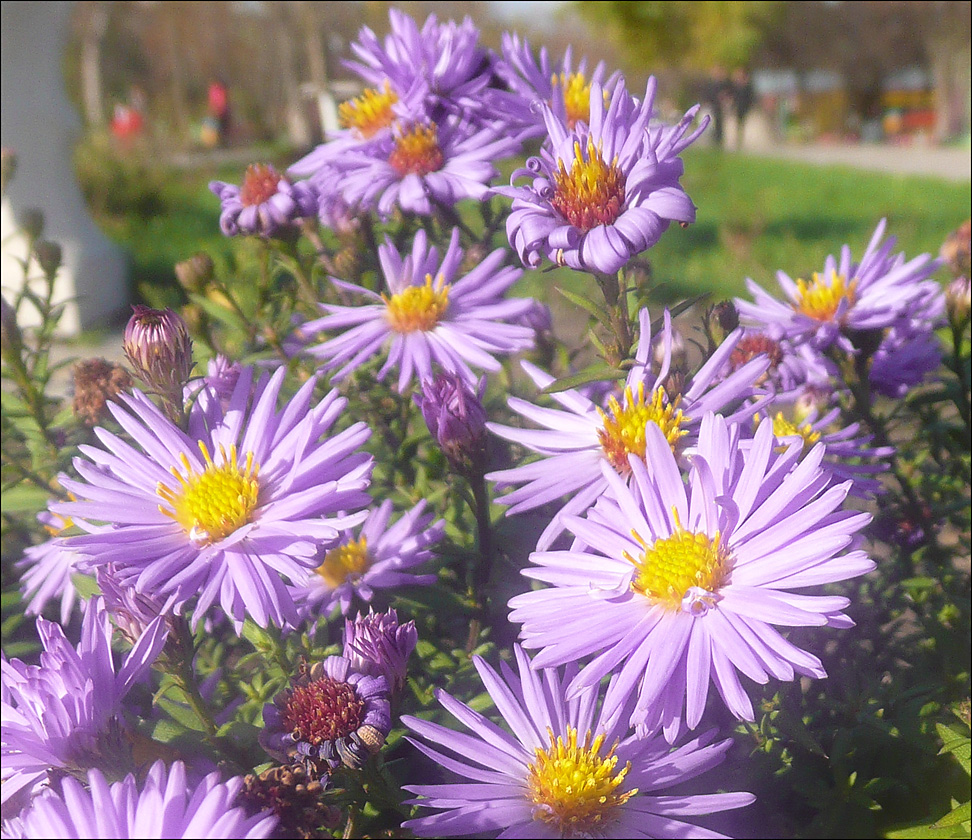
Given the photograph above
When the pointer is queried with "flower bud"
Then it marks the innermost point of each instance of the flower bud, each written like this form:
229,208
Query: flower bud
956,250
958,302
457,420
158,346
195,273
32,222
48,256
720,320
377,644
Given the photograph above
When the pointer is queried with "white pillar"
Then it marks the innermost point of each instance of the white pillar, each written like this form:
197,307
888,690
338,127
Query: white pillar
40,126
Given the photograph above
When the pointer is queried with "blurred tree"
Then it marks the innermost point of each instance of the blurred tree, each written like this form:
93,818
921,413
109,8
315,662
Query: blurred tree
690,35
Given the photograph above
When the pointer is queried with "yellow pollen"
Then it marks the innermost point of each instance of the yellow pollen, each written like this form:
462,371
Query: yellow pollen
418,307
577,97
786,428
212,504
346,562
574,789
592,192
370,112
671,566
417,152
623,432
819,299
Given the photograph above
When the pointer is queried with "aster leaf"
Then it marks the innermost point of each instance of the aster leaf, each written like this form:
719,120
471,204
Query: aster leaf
589,306
225,316
598,372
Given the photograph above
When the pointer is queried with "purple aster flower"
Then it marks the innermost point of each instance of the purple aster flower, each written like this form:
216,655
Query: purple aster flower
232,509
166,805
456,419
675,584
908,352
566,768
65,712
441,66
576,442
815,417
47,569
603,192
377,644
849,298
380,557
429,317
267,203
331,714
421,164
566,88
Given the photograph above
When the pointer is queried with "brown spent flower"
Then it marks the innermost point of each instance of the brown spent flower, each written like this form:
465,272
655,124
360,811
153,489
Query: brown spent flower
295,798
96,381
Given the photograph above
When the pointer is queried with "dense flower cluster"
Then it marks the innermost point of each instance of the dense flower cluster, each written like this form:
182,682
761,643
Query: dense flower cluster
689,503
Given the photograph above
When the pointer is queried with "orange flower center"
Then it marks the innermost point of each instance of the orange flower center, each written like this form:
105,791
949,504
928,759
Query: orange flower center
417,152
592,192
259,185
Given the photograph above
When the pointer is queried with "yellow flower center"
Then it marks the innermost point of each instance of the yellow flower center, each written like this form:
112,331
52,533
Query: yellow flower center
418,307
577,97
787,428
417,152
592,193
683,564
370,112
819,299
212,504
346,562
574,789
623,432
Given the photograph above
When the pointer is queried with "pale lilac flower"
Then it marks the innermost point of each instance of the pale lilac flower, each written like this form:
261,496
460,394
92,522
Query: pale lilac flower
601,193
577,441
230,511
428,317
675,584
267,204
381,556
530,78
421,165
47,569
330,714
848,298
65,714
812,415
165,806
377,644
566,767
441,66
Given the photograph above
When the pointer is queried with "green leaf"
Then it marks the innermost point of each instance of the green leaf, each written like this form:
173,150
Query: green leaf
220,313
25,499
958,815
598,372
595,310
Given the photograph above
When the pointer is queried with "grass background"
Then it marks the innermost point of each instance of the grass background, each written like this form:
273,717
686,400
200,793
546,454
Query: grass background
755,216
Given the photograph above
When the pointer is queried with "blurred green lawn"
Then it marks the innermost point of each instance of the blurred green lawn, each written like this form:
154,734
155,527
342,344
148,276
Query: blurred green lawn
755,216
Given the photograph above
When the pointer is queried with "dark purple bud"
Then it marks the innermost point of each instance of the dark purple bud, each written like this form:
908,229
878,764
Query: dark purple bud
457,420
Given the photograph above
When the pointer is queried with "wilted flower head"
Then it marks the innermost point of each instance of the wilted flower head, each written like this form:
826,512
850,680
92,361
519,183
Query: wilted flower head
456,418
294,796
267,204
377,644
166,805
96,382
570,768
158,346
195,273
604,192
331,714
958,301
65,713
957,250
380,556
